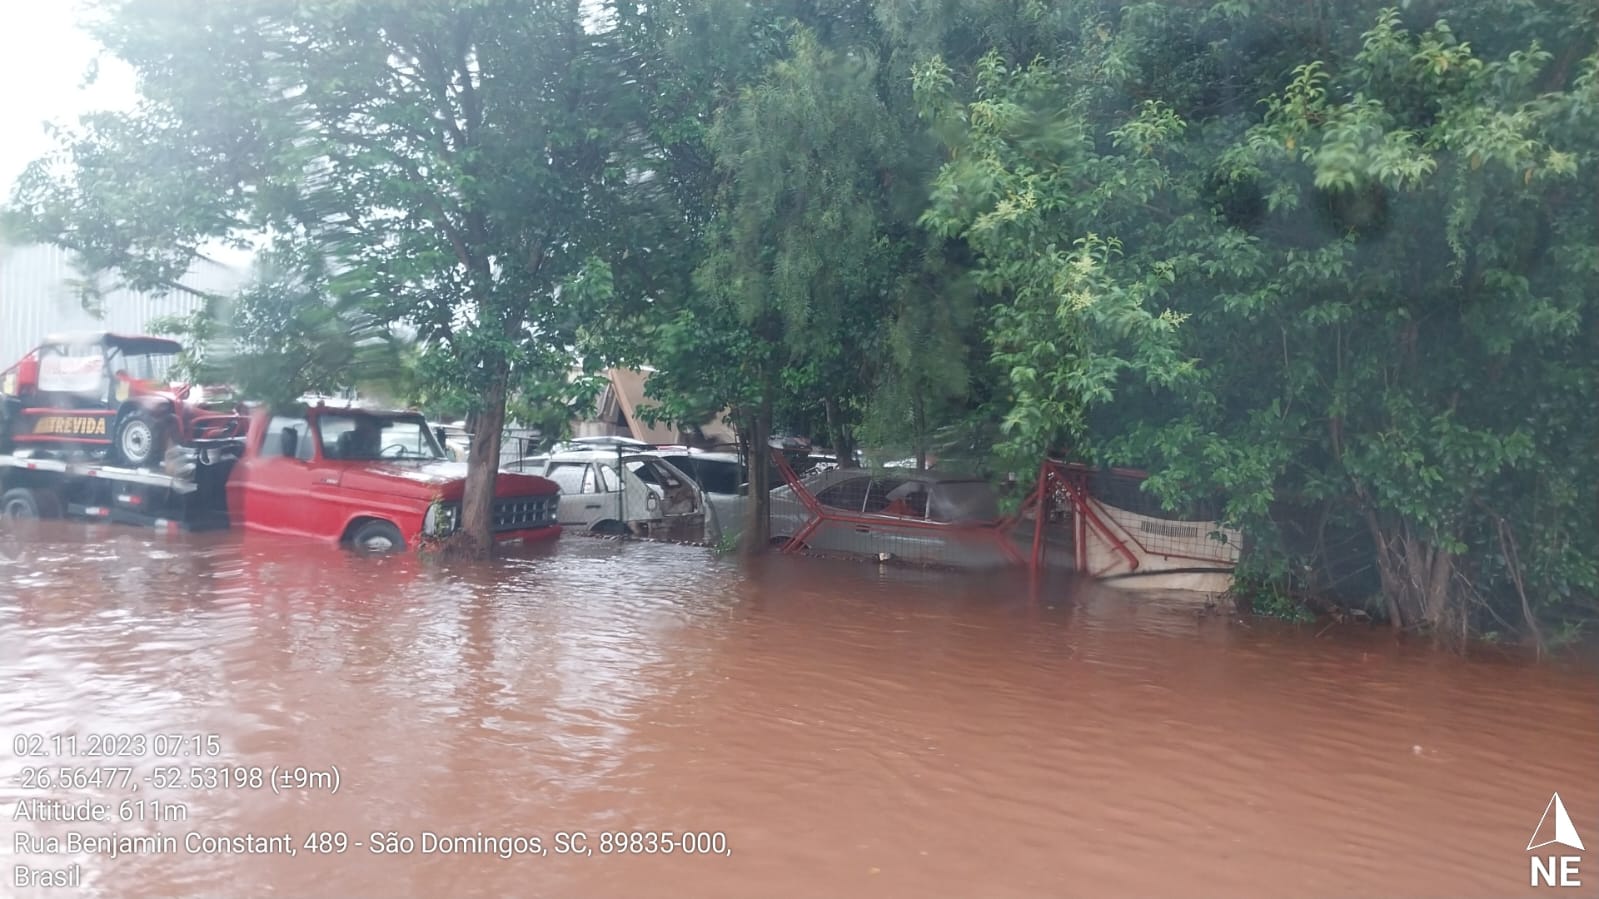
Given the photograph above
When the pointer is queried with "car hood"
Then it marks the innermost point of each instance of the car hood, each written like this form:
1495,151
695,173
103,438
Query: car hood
445,480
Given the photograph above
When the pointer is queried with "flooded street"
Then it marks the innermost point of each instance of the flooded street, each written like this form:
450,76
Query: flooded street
818,728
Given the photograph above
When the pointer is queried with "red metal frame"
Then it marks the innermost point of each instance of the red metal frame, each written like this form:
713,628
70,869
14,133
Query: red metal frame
1088,517
1072,478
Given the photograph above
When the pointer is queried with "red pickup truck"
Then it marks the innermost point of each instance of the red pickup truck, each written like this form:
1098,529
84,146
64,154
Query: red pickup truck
372,479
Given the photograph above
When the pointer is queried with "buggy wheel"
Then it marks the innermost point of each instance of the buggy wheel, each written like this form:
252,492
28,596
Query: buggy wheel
140,441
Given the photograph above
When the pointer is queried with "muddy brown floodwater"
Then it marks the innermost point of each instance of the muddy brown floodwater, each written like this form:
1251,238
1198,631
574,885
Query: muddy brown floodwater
839,730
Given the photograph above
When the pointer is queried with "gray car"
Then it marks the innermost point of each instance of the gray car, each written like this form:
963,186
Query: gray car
928,517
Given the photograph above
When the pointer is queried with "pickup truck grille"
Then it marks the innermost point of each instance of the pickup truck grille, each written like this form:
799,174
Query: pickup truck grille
518,513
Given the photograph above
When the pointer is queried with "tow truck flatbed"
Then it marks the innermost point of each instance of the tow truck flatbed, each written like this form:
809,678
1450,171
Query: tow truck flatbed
44,487
141,476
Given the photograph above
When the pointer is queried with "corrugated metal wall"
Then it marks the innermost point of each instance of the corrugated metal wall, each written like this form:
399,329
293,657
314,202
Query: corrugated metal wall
37,298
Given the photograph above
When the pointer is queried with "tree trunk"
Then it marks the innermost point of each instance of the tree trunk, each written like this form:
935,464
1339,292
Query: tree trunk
1417,577
476,536
1391,585
758,534
839,432
835,425
919,410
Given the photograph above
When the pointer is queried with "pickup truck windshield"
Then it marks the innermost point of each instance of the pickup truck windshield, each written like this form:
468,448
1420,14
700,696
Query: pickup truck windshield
367,436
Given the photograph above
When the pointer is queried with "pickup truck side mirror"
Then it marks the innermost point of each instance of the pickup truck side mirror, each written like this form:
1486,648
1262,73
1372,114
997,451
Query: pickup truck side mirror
288,442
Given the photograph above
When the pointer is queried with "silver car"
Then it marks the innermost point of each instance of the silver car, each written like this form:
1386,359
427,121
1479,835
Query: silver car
611,492
928,517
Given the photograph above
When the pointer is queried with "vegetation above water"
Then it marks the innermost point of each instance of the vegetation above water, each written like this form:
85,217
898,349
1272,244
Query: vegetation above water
1333,266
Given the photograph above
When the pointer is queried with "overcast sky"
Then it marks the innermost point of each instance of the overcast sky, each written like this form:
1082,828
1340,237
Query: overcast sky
43,60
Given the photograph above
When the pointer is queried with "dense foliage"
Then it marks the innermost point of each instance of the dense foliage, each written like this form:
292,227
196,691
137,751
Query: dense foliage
1329,266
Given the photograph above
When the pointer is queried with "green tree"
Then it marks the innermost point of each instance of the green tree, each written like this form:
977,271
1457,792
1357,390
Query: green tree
284,335
798,249
451,162
1334,307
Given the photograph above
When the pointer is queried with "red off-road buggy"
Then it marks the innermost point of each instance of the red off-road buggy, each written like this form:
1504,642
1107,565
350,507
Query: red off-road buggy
99,393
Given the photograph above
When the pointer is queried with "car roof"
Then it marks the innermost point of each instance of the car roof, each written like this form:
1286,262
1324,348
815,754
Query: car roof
905,474
343,407
133,344
583,457
593,455
603,441
708,455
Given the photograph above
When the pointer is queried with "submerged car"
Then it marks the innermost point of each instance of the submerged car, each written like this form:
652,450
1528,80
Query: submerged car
373,479
929,517
724,478
621,492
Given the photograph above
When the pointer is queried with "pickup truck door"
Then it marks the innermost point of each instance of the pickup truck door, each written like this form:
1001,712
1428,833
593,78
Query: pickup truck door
269,488
285,494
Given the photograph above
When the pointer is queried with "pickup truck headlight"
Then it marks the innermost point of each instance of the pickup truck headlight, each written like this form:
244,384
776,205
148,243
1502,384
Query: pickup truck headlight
441,520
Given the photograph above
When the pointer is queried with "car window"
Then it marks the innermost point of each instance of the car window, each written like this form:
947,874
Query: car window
72,369
877,498
410,436
369,437
847,494
272,443
141,366
714,475
607,478
569,475
904,498
651,473
530,465
963,501
686,464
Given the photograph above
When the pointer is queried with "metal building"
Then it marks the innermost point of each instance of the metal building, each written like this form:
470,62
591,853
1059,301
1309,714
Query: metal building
38,297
